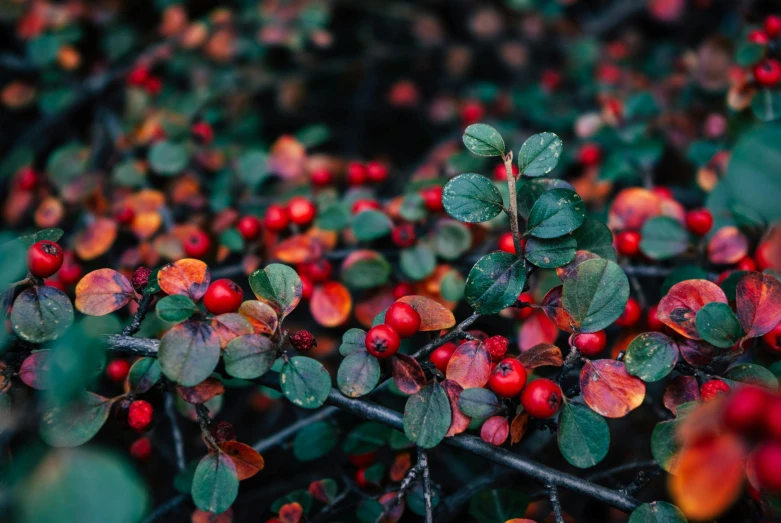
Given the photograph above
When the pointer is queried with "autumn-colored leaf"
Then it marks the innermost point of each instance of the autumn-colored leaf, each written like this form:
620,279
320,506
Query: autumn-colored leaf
544,354
96,239
103,291
298,249
727,246
700,353
229,326
371,306
708,477
632,207
470,365
551,306
680,390
407,374
459,421
518,427
580,257
290,513
247,460
401,465
34,371
203,392
609,389
758,303
189,276
261,316
535,330
678,309
331,304
702,422
433,316
495,430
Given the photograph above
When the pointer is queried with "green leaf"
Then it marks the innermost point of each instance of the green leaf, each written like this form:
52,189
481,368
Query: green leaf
366,437
232,240
549,254
369,511
334,217
305,382
168,158
249,356
427,416
67,163
663,238
416,501
498,505
175,308
556,213
412,208
753,374
252,167
766,105
144,374
53,235
371,225
664,443
451,239
365,272
529,191
418,262
353,340
495,282
657,512
595,294
452,286
583,435
315,441
539,154
483,140
277,285
41,313
358,374
594,236
651,356
189,352
472,198
215,483
76,423
478,403
128,174
749,53
718,325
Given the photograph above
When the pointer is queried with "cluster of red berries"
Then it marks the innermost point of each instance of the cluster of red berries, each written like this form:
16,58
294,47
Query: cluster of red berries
401,321
298,211
310,273
141,77
358,173
767,72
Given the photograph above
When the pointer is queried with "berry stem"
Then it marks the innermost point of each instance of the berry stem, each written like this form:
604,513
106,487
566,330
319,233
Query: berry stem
508,165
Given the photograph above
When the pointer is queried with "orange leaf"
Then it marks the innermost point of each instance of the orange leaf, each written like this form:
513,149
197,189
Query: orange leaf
458,421
247,460
433,315
96,239
368,308
551,306
518,427
727,246
229,326
679,307
298,249
401,465
544,354
189,276
331,304
470,365
203,392
260,315
290,513
103,291
609,389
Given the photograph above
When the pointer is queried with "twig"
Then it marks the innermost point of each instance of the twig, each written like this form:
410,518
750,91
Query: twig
165,508
280,437
453,334
553,494
176,432
508,165
423,462
129,344
614,16
406,483
641,480
451,504
205,422
138,317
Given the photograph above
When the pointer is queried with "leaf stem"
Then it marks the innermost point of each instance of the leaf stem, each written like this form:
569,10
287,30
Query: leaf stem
508,165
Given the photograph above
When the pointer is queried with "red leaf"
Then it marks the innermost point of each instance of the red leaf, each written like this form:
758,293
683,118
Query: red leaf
535,330
495,430
331,304
518,427
407,374
203,392
261,316
248,461
632,207
470,365
551,306
401,465
35,369
229,326
680,390
679,307
758,303
290,513
459,421
727,246
544,354
609,389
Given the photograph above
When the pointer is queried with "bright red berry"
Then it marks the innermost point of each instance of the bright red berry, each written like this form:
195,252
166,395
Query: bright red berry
319,270
758,36
508,378
551,79
628,243
500,172
140,415
773,26
365,204
441,356
472,112
590,343
745,409
223,296
44,258
773,419
746,263
663,192
117,370
307,286
402,289
360,479
652,319
124,215
712,388
525,312
497,347
249,227
631,315
506,243
589,154
301,210
197,244
141,449
153,85
356,173
432,198
403,235
382,341
70,272
403,319
767,73
376,172
202,132
699,221
362,460
276,218
322,177
767,466
26,179
773,338
138,76
541,398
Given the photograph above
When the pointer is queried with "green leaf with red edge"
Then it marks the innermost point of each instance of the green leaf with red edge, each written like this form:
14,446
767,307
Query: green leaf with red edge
657,512
35,369
541,355
718,325
609,389
651,356
189,277
277,285
478,402
556,213
215,483
189,352
365,269
247,460
201,393
76,423
302,497
249,356
407,374
583,435
539,154
433,315
758,303
103,291
230,326
144,374
483,140
427,416
495,282
41,314
495,430
470,365
324,490
305,382
472,198
595,294
358,374
678,309
459,421
261,316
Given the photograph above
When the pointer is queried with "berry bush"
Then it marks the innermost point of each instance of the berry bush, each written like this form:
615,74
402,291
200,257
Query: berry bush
308,261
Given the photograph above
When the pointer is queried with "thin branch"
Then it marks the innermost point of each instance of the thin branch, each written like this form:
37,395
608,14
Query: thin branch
452,504
553,494
283,435
138,317
424,351
508,165
406,483
423,462
642,479
129,344
165,508
176,432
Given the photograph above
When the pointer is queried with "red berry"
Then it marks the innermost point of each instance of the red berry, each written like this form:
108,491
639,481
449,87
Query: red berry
767,466
223,296
376,172
628,243
773,26
303,340
362,460
541,398
307,286
403,319
360,479
153,85
356,173
319,271
506,243
57,284
301,210
197,244
44,258
249,227
712,388
472,112
745,410
663,192
382,341
590,154
551,79
403,289
124,215
432,198
773,338
764,256
525,312
773,419
322,177
441,356
699,221
758,36
138,76
497,347
26,179
140,415
654,323
365,204
631,315
747,263
140,279
403,235
767,73
590,343
276,218
117,370
202,132
70,272
141,449
500,172
508,378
